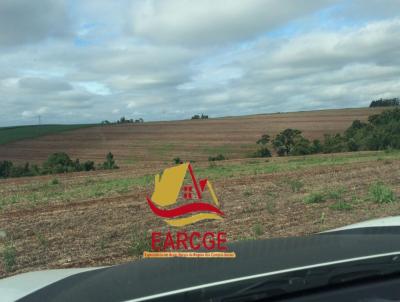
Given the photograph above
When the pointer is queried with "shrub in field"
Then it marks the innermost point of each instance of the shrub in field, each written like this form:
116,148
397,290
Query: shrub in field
258,230
341,205
89,165
292,142
8,257
295,184
284,141
336,194
139,243
263,150
5,168
109,162
381,132
177,160
54,181
334,143
381,193
302,146
316,146
215,158
316,197
56,163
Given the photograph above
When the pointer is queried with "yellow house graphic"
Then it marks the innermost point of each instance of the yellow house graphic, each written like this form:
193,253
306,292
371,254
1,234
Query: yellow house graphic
167,188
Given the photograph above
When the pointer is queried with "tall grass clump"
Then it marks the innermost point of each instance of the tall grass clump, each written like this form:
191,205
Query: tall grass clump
381,193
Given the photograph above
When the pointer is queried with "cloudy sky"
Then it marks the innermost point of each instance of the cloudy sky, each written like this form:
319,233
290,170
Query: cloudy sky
79,61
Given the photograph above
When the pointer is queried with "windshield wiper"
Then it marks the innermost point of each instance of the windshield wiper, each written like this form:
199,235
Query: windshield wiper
323,276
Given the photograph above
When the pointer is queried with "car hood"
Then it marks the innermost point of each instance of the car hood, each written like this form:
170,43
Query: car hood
385,222
16,287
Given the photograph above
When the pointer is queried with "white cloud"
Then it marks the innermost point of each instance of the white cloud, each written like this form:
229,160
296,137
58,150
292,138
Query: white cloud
24,21
213,22
193,57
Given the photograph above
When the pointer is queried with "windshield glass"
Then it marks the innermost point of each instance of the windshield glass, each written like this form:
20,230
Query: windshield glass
140,130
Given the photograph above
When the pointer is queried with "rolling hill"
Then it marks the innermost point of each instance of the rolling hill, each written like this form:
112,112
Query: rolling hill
233,137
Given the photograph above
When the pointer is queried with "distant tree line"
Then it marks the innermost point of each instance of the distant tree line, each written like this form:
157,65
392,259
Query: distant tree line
382,131
385,102
199,117
123,120
56,163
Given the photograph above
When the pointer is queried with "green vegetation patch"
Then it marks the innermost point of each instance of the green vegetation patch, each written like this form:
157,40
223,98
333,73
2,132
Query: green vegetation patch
9,255
36,193
217,171
381,193
315,197
11,134
341,205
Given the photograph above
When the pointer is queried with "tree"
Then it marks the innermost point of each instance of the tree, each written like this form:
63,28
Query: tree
88,165
110,162
316,146
263,150
381,132
5,168
57,163
385,102
334,143
265,138
302,146
285,141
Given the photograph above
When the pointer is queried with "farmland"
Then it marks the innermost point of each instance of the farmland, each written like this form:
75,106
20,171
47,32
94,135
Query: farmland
99,217
131,144
11,134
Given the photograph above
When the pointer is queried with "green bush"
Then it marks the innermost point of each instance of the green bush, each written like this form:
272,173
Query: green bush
139,243
262,152
302,146
177,160
295,184
381,132
258,230
334,143
89,165
316,146
292,142
341,205
215,158
316,197
381,193
9,257
336,194
5,168
54,181
56,163
110,162
285,141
